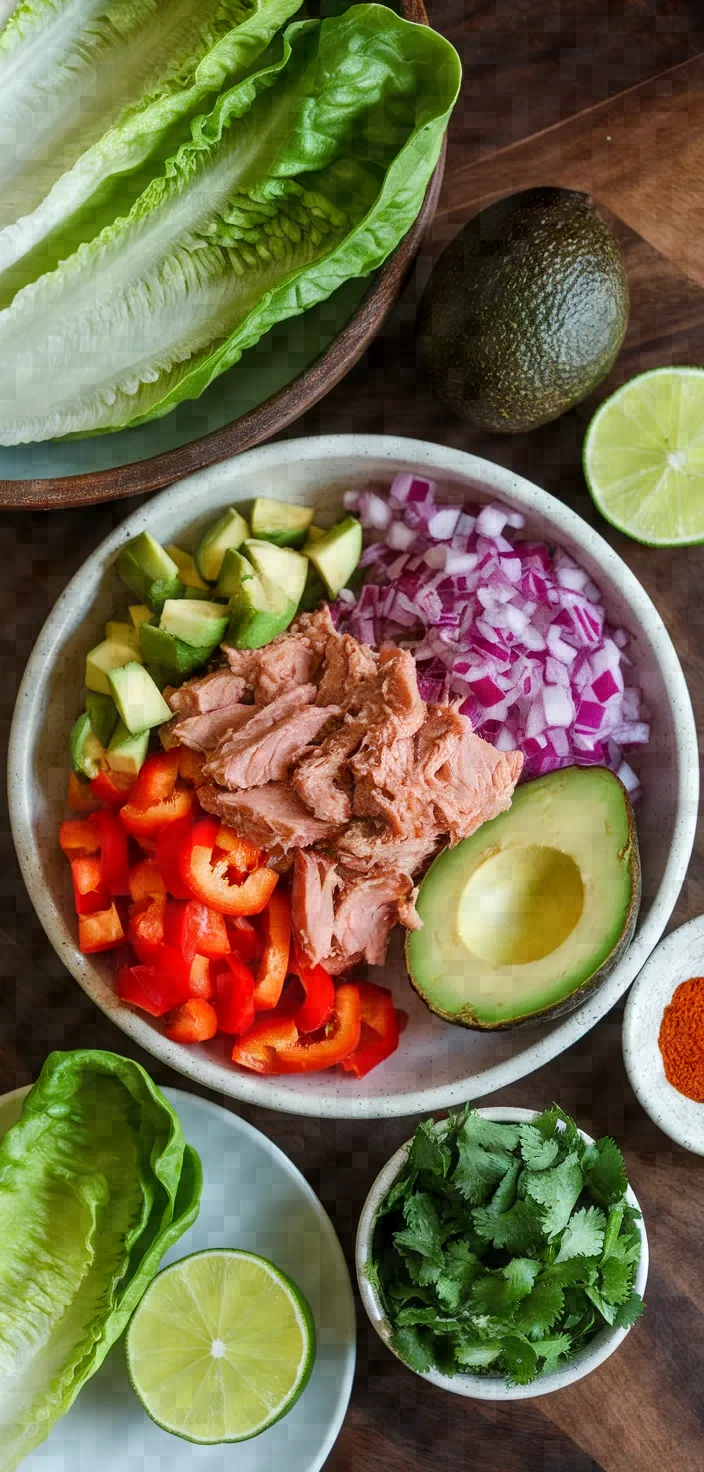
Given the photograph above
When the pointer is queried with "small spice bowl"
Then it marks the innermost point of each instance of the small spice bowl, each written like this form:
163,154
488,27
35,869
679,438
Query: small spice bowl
677,958
485,1387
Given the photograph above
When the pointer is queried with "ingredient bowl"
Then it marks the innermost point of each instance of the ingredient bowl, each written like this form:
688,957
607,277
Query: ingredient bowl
485,1387
437,1065
678,957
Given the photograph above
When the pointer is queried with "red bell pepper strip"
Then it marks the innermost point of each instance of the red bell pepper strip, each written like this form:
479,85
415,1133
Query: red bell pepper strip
194,1022
152,988
145,930
112,788
87,892
380,1030
319,1004
194,928
233,997
200,982
282,1049
158,797
114,863
244,856
190,765
245,940
208,880
100,931
273,967
77,838
170,841
146,881
79,796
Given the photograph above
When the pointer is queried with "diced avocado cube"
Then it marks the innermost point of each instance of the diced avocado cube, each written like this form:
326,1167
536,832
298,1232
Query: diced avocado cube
188,572
86,752
198,623
267,589
105,657
230,573
174,657
315,591
127,750
140,704
335,556
230,530
149,572
313,534
140,614
102,715
280,522
122,633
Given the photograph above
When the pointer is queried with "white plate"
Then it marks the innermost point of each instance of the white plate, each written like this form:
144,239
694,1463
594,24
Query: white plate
436,1065
677,958
253,1197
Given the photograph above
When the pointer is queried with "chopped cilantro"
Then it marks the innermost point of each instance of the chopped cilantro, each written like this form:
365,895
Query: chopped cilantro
503,1249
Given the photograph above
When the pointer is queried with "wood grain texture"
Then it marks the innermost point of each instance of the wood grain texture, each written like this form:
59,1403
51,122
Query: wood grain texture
529,63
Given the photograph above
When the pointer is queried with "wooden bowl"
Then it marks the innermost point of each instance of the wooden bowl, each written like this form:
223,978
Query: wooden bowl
267,418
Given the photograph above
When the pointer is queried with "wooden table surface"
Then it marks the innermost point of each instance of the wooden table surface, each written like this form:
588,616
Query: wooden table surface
606,96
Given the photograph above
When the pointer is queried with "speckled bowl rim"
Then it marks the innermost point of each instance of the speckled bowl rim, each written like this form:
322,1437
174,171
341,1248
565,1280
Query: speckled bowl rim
659,1099
487,477
486,1387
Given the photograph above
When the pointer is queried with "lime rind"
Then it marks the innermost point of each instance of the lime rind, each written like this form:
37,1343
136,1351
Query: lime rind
201,1365
644,457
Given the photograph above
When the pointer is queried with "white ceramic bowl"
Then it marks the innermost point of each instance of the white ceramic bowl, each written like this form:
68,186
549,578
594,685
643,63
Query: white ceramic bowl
436,1065
485,1387
677,958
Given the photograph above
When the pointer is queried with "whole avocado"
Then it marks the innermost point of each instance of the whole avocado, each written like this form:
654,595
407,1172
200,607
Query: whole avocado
525,311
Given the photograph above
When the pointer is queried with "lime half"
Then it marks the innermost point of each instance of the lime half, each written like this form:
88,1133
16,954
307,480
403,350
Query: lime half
644,457
221,1346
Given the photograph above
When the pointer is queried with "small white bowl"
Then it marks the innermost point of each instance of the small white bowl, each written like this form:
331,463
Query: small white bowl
677,958
485,1387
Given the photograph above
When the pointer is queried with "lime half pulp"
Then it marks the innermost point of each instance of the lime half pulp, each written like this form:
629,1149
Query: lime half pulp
221,1346
644,457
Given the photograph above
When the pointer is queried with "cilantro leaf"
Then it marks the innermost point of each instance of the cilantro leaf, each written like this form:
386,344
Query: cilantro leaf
423,1232
414,1347
478,1171
460,1270
428,1151
628,1312
520,1274
607,1310
400,1190
571,1270
491,1295
477,1354
403,1292
537,1152
552,1349
583,1235
557,1190
505,1193
492,1136
616,1280
429,1317
518,1230
520,1360
605,1172
538,1312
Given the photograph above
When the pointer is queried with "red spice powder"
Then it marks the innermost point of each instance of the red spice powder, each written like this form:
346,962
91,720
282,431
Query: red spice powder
681,1039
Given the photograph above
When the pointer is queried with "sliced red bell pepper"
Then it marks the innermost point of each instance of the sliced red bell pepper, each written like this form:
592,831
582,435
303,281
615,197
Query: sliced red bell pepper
145,928
100,931
208,877
320,998
170,841
234,997
158,797
380,1030
273,967
151,988
245,939
79,797
194,1022
77,838
194,928
200,982
88,894
114,862
146,881
190,765
244,856
282,1049
112,788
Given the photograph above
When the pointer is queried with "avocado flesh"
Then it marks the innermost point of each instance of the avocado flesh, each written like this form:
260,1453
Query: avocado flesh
533,911
525,311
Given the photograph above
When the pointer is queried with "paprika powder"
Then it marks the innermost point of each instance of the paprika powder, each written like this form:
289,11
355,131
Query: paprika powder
681,1039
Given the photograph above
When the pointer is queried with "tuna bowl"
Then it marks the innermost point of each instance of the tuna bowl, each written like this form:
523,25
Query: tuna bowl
437,1064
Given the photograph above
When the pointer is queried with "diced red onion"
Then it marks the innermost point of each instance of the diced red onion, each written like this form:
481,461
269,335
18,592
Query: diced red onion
400,537
375,514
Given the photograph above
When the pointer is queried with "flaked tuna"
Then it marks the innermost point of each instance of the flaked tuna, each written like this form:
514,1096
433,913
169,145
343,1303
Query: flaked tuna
265,748
272,816
205,693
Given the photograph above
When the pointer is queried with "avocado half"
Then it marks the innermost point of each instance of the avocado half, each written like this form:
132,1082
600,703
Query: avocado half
525,311
533,912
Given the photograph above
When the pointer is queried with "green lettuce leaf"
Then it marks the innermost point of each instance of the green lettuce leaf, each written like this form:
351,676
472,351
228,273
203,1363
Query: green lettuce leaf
96,1183
306,173
89,89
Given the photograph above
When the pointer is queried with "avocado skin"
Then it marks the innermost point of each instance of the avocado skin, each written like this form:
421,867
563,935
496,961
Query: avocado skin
525,311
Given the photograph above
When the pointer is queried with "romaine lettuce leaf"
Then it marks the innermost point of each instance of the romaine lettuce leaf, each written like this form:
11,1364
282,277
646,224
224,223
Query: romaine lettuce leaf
96,1183
89,89
306,173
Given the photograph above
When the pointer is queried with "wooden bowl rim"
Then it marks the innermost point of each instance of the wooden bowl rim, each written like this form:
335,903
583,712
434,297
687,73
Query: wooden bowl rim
46,493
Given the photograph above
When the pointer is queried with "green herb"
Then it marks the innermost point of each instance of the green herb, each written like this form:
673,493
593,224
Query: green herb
504,1249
